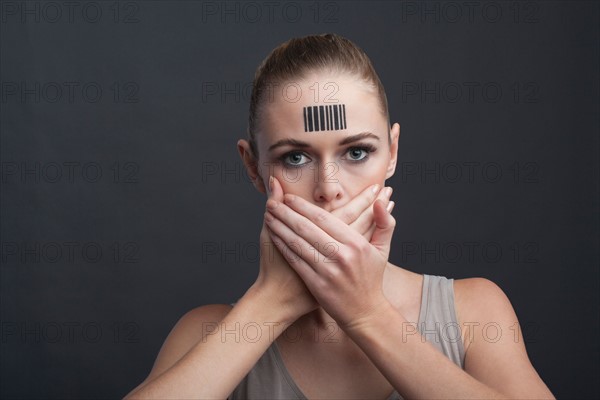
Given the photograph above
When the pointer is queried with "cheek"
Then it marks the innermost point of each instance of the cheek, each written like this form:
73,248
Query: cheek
294,181
370,172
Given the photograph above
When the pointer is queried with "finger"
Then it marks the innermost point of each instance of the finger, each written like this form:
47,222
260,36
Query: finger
314,223
350,211
384,230
302,268
310,250
390,206
276,191
369,233
364,223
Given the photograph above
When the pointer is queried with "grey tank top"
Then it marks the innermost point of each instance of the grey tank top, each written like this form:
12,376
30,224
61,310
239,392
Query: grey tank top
438,324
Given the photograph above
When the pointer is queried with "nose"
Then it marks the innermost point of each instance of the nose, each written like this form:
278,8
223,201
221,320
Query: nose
327,185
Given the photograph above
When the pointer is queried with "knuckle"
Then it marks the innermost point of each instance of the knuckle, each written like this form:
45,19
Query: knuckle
349,216
364,247
302,227
321,216
331,274
345,257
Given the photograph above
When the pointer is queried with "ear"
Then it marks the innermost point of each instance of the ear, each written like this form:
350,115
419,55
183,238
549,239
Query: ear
395,136
251,164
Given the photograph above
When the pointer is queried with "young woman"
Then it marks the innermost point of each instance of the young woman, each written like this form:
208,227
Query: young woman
329,317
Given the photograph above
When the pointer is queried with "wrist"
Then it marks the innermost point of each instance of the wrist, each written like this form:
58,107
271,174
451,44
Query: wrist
372,319
268,303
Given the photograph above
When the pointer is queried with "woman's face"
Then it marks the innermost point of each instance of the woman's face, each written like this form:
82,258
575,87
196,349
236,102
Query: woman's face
327,167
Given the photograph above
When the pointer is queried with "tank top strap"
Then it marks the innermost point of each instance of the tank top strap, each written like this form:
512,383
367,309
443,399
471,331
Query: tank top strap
438,322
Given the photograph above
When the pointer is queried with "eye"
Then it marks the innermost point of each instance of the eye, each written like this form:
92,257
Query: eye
295,158
355,152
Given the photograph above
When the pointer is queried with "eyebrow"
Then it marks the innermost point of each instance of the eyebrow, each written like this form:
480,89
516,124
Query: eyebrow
298,143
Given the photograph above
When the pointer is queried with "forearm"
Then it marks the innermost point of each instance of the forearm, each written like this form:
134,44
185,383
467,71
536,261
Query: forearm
218,362
414,367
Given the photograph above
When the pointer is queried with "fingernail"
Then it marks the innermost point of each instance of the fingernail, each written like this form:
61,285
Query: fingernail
390,206
375,188
389,191
271,182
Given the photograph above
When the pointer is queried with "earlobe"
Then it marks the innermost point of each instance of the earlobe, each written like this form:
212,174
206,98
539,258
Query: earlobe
259,184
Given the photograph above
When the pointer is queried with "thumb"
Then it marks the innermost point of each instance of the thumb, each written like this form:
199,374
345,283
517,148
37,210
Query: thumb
384,228
276,192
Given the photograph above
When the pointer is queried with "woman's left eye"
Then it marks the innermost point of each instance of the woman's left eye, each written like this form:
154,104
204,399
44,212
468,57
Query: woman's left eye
356,151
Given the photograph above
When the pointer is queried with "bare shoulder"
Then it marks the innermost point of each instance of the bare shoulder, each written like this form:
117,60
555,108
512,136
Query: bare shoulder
185,334
475,294
475,298
496,356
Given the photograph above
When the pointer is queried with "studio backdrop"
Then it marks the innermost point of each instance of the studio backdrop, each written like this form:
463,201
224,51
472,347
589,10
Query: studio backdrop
125,204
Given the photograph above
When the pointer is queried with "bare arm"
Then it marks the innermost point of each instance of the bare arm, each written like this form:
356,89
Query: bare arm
494,369
221,357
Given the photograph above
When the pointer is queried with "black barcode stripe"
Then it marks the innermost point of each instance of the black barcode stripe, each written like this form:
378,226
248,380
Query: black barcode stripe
305,124
343,116
310,121
332,117
322,117
336,117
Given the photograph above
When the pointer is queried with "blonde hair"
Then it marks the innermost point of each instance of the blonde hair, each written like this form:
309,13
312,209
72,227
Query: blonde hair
296,58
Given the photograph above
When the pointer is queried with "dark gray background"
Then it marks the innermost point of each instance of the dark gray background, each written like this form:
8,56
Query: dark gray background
175,82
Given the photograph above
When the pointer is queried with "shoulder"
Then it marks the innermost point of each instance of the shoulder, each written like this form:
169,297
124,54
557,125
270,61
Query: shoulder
479,301
470,289
479,294
495,352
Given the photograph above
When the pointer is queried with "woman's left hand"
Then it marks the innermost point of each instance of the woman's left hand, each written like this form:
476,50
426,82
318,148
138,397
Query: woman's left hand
342,270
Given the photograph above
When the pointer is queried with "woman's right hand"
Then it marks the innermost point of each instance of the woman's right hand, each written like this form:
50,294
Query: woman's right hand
276,276
279,278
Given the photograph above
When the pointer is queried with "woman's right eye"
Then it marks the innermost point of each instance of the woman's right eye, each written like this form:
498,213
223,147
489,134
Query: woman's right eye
294,157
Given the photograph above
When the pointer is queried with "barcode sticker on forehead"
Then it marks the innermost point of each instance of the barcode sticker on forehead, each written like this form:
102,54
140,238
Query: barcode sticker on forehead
325,118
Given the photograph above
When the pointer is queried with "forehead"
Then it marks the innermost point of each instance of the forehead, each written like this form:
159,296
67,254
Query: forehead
285,111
